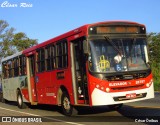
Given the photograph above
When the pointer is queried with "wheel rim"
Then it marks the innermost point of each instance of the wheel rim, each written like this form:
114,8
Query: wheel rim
66,104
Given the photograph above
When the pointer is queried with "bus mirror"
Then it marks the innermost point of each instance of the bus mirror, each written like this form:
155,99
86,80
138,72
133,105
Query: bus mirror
85,47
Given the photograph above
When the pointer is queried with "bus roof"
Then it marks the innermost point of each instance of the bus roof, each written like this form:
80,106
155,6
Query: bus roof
12,56
118,22
58,38
75,31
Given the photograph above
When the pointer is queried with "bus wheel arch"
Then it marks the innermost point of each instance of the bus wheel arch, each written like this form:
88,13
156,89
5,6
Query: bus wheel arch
64,101
20,102
59,94
18,90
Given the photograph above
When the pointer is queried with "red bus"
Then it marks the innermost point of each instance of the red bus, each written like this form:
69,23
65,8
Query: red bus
97,64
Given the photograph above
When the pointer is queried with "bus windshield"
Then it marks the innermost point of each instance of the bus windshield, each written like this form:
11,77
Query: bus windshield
118,55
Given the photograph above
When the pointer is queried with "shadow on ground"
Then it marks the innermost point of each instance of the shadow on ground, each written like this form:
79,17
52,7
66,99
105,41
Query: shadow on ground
147,115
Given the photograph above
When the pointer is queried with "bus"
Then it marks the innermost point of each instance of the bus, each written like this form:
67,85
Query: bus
99,64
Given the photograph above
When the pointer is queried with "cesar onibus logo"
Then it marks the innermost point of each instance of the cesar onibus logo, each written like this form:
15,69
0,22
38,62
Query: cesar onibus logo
7,4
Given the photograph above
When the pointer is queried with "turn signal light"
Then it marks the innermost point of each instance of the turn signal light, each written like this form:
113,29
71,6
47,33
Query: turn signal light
107,89
149,84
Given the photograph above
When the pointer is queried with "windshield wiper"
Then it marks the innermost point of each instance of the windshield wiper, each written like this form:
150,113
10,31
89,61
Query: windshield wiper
114,46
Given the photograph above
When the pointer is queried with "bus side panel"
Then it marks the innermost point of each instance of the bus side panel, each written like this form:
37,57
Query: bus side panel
25,95
66,82
45,88
10,91
33,90
24,88
48,84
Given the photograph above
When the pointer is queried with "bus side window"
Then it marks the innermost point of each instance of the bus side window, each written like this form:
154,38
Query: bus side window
24,71
22,65
15,64
5,70
62,54
10,68
41,60
53,57
48,57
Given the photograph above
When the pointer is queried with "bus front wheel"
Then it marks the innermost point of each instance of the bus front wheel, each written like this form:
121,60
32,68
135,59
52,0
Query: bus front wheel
67,108
20,102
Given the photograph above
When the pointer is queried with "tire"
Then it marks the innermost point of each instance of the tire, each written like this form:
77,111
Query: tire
115,107
20,102
67,108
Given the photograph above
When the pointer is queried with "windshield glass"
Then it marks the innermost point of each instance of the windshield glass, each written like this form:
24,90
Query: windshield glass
118,55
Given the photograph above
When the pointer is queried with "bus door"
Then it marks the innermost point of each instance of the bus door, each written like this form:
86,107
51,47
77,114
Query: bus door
32,83
79,72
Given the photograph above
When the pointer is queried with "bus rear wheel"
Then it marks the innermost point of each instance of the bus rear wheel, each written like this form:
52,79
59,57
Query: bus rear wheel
20,102
67,108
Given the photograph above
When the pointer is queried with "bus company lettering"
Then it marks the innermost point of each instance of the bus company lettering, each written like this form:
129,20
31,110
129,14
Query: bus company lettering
118,84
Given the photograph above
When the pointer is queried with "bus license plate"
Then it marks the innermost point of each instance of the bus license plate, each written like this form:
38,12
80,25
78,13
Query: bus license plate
131,95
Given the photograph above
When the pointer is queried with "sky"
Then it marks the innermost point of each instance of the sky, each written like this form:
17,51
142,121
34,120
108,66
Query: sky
46,19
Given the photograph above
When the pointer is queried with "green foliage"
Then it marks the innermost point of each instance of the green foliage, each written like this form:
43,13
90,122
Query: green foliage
154,55
156,75
6,35
10,42
21,41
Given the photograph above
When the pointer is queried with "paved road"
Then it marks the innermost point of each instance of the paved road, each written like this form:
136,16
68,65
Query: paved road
144,112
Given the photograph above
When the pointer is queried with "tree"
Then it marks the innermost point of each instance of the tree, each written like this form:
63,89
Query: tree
10,42
21,41
154,47
154,55
6,36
